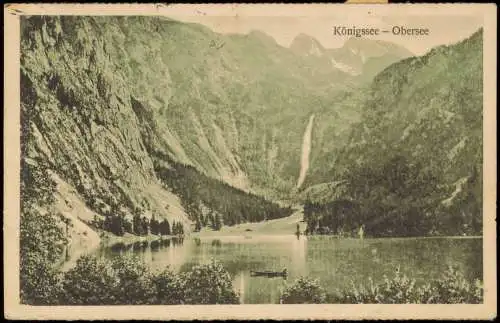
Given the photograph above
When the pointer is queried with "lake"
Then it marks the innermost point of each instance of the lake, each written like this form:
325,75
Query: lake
337,263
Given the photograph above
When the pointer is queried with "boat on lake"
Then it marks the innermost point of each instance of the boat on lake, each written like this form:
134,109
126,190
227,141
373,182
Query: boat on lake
268,273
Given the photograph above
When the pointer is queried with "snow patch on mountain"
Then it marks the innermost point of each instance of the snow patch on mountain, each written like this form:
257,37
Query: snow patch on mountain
345,68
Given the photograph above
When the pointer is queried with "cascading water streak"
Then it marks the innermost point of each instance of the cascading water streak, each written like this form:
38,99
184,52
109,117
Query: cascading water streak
306,151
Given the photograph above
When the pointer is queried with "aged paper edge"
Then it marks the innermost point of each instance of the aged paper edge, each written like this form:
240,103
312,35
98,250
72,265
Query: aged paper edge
13,310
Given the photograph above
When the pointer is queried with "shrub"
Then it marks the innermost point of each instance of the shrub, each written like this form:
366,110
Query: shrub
451,288
91,282
208,284
41,238
40,283
40,248
169,288
135,285
304,291
396,290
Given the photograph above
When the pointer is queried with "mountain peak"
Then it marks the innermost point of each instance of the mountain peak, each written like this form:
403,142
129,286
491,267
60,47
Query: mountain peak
261,36
307,45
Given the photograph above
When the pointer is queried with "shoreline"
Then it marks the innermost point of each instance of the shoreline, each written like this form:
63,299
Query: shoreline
109,239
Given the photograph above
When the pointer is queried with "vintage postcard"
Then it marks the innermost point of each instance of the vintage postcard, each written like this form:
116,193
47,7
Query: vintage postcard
267,161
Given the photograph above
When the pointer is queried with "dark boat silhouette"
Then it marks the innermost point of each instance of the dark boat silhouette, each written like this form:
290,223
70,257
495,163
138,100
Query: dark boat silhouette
268,273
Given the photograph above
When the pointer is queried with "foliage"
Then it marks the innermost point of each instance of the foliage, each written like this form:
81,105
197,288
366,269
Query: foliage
135,284
91,282
304,291
228,205
115,224
124,280
333,217
208,284
177,228
397,197
216,222
450,288
39,251
119,224
169,288
154,226
454,288
127,280
164,227
42,239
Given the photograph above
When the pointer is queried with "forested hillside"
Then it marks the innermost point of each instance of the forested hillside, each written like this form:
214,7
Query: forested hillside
413,163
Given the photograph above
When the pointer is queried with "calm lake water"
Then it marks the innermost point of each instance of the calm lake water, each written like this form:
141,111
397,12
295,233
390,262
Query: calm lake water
336,262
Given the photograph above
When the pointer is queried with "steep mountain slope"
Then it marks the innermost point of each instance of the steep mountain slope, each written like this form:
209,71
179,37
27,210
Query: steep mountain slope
228,108
79,123
414,161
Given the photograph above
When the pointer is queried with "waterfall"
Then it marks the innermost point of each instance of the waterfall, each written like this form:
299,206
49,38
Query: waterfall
306,150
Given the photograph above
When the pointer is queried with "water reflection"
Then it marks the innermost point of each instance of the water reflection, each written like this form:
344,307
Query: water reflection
155,245
335,262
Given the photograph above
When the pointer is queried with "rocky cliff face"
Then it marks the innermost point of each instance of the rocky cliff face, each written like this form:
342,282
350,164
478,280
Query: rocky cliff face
79,120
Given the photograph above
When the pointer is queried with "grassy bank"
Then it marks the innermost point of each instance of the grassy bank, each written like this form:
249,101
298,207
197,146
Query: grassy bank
286,225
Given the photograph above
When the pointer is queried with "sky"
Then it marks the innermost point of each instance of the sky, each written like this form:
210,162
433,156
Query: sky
445,27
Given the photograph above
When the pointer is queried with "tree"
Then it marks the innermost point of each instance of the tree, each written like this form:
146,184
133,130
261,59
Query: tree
197,226
145,226
174,228
209,284
165,227
127,226
137,224
204,220
217,222
153,224
117,225
177,228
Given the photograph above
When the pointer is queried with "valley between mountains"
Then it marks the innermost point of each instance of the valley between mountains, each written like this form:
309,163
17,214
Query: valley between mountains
148,118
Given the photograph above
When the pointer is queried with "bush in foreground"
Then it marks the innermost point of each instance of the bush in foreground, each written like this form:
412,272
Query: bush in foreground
169,288
451,288
91,282
127,280
209,284
304,291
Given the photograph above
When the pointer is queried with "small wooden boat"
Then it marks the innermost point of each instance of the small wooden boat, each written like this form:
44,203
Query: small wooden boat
283,273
